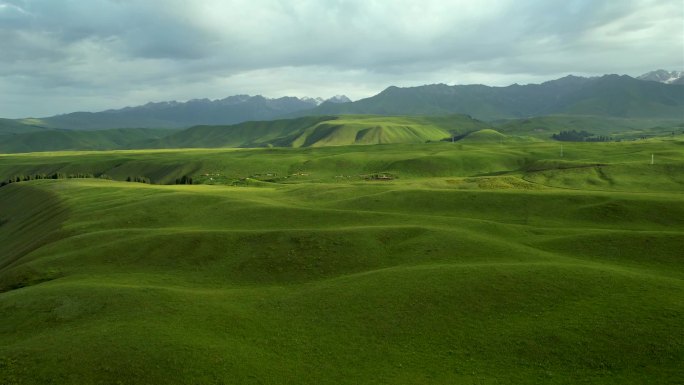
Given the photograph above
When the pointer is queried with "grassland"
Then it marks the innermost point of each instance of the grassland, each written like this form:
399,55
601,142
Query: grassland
318,131
12,126
542,127
64,140
321,131
20,136
485,261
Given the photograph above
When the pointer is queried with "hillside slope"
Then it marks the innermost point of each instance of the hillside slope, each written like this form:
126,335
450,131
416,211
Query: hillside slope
14,126
320,131
486,135
60,140
610,166
617,128
317,131
550,271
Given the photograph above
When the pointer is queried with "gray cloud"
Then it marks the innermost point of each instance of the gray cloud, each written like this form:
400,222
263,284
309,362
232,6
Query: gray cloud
62,56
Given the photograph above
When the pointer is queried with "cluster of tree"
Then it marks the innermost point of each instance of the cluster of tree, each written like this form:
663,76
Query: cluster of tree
184,180
139,179
580,136
599,138
56,175
143,179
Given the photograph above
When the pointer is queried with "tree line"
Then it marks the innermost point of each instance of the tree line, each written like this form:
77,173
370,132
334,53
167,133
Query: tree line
55,175
580,136
59,175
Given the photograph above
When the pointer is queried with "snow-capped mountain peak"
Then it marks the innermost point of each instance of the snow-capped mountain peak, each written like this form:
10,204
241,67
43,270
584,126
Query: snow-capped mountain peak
663,76
315,101
318,101
339,99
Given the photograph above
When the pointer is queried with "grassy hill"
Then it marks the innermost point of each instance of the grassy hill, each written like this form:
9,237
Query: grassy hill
485,263
486,135
618,128
463,159
12,126
58,140
318,131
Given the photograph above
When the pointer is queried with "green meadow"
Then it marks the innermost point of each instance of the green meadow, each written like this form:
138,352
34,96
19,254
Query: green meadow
491,260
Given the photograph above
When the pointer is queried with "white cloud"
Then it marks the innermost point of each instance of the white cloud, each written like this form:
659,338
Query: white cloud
76,55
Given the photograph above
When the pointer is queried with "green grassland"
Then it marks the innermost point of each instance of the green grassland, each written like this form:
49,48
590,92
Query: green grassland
491,260
617,128
13,126
19,136
319,131
61,140
30,135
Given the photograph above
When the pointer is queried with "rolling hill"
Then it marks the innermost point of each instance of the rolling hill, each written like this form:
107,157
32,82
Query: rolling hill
342,130
619,128
320,131
60,140
13,126
486,135
483,263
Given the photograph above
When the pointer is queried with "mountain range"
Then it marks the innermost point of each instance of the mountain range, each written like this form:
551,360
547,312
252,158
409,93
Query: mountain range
173,114
609,96
658,94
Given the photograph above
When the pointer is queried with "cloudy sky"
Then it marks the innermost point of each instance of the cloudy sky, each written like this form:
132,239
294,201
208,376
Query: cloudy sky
60,56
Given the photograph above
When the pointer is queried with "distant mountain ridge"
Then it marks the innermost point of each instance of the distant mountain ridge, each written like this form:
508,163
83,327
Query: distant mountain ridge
173,114
617,96
609,95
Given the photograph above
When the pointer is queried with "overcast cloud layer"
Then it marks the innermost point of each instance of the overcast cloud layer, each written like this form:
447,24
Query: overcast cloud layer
59,56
